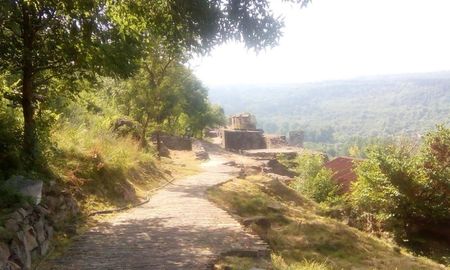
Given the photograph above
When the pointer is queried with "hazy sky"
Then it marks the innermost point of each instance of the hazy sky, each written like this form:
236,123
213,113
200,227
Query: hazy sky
338,39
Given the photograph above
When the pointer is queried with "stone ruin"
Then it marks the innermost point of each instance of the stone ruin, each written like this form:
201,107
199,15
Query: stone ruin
243,121
242,134
296,138
237,140
275,141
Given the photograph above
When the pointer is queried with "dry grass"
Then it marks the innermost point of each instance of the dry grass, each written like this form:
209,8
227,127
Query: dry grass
241,263
181,164
105,171
301,237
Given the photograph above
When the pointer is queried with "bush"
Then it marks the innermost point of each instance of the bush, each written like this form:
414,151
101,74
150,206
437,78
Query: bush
10,198
314,180
404,189
10,143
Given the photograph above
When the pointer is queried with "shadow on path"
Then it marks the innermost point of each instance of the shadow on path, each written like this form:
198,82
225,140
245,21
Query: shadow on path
178,229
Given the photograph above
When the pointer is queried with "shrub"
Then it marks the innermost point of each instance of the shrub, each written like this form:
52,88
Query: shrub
10,143
314,180
406,190
10,198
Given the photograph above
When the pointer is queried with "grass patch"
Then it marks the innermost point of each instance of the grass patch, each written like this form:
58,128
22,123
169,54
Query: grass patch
103,170
278,263
241,263
303,239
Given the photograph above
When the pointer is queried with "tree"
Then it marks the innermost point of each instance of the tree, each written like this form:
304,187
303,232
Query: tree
46,43
165,96
48,46
404,188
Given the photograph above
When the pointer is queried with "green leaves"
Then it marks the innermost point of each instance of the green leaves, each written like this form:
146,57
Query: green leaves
405,187
314,180
54,46
165,95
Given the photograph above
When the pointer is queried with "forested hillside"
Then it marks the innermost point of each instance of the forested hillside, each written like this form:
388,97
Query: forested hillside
335,111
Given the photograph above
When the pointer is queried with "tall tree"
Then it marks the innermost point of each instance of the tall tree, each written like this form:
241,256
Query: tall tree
45,42
47,46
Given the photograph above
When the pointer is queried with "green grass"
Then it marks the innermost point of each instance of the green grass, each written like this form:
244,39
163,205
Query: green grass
301,238
278,263
240,263
103,170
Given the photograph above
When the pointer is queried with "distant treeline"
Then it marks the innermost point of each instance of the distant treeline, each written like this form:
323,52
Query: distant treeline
337,112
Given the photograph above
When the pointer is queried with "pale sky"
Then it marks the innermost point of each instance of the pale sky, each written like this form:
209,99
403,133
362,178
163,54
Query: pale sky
340,39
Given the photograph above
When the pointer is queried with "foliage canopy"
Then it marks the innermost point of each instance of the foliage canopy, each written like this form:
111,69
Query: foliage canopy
407,189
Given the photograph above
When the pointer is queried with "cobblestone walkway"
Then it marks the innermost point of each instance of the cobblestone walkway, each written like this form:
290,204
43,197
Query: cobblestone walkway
178,229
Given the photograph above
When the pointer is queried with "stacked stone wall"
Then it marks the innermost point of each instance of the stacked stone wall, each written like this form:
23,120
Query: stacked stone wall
237,140
26,234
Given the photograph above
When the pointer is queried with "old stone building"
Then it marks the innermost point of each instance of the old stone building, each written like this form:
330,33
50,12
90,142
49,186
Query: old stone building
243,121
242,134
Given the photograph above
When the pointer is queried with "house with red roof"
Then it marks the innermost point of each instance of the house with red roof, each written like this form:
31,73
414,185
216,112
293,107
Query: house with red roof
343,170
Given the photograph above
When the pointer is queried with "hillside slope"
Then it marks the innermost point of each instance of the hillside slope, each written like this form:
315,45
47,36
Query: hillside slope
297,232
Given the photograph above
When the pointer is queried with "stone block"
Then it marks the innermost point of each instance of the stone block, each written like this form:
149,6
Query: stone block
26,187
20,251
176,142
42,210
11,266
44,248
49,231
201,155
12,225
4,253
236,140
296,138
29,239
277,168
39,229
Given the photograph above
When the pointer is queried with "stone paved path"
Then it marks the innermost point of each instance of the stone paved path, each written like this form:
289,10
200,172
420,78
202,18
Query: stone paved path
178,229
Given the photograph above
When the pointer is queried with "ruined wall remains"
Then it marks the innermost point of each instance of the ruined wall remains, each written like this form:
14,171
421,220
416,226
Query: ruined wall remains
275,141
296,138
177,142
236,140
242,121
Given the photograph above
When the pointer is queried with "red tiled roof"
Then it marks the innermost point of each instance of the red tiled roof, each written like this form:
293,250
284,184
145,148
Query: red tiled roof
342,168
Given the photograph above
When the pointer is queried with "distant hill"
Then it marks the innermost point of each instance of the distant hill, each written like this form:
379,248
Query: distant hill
365,107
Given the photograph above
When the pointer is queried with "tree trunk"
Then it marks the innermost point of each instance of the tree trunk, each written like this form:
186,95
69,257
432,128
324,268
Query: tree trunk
144,131
158,143
29,129
30,147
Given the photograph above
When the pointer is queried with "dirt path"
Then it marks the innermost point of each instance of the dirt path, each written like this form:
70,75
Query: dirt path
178,229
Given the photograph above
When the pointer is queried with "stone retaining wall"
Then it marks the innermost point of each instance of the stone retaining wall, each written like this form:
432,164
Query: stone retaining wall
236,140
177,142
26,233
